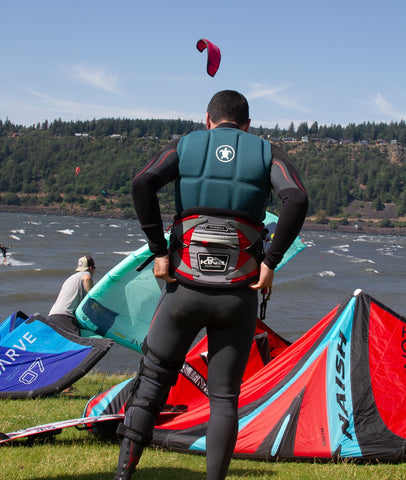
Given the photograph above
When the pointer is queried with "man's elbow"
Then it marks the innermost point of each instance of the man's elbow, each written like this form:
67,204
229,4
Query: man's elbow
296,198
304,201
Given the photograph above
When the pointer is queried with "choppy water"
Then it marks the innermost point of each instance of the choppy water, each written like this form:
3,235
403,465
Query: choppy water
44,250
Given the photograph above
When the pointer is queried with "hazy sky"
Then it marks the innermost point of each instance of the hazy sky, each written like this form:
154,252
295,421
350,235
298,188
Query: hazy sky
330,62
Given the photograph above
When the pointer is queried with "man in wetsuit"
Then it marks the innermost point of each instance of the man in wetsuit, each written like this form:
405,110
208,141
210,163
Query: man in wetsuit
4,249
214,269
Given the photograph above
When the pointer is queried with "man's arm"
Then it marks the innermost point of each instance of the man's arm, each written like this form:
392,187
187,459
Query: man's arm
162,169
288,186
87,282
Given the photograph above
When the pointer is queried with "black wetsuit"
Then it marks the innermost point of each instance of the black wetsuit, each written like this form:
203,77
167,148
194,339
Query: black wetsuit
164,169
4,251
229,316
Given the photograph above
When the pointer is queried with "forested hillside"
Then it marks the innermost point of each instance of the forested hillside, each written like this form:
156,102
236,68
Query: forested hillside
88,166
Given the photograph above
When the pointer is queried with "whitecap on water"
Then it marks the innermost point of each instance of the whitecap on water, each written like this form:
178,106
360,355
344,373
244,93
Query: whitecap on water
372,271
309,243
342,248
326,273
14,237
18,231
360,239
350,258
17,263
360,260
67,231
385,251
390,251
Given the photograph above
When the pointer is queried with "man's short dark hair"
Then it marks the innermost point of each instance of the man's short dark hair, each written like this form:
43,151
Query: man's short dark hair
229,105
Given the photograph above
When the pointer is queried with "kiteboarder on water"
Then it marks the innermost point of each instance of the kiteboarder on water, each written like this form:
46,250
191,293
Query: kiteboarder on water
4,252
214,269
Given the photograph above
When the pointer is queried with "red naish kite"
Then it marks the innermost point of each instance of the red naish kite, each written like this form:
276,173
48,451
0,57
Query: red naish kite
337,392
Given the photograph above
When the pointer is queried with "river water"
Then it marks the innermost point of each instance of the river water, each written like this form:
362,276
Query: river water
44,250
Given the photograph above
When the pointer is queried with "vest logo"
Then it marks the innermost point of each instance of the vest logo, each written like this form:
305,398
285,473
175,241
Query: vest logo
214,227
225,153
212,263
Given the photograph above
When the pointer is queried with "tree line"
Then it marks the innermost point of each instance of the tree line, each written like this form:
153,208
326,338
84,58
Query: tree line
165,129
91,164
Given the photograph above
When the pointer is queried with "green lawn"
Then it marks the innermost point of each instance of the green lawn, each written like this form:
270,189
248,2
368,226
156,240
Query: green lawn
77,455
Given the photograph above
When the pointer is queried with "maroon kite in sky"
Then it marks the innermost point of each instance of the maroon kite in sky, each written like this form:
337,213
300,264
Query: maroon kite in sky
213,55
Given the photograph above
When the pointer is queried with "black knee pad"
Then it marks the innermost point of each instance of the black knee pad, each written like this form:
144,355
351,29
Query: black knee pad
164,371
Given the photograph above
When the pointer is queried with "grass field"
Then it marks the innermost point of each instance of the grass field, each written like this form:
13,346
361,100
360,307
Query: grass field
77,455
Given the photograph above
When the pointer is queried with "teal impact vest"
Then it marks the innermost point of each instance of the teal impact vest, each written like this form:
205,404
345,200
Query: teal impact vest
221,199
224,168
